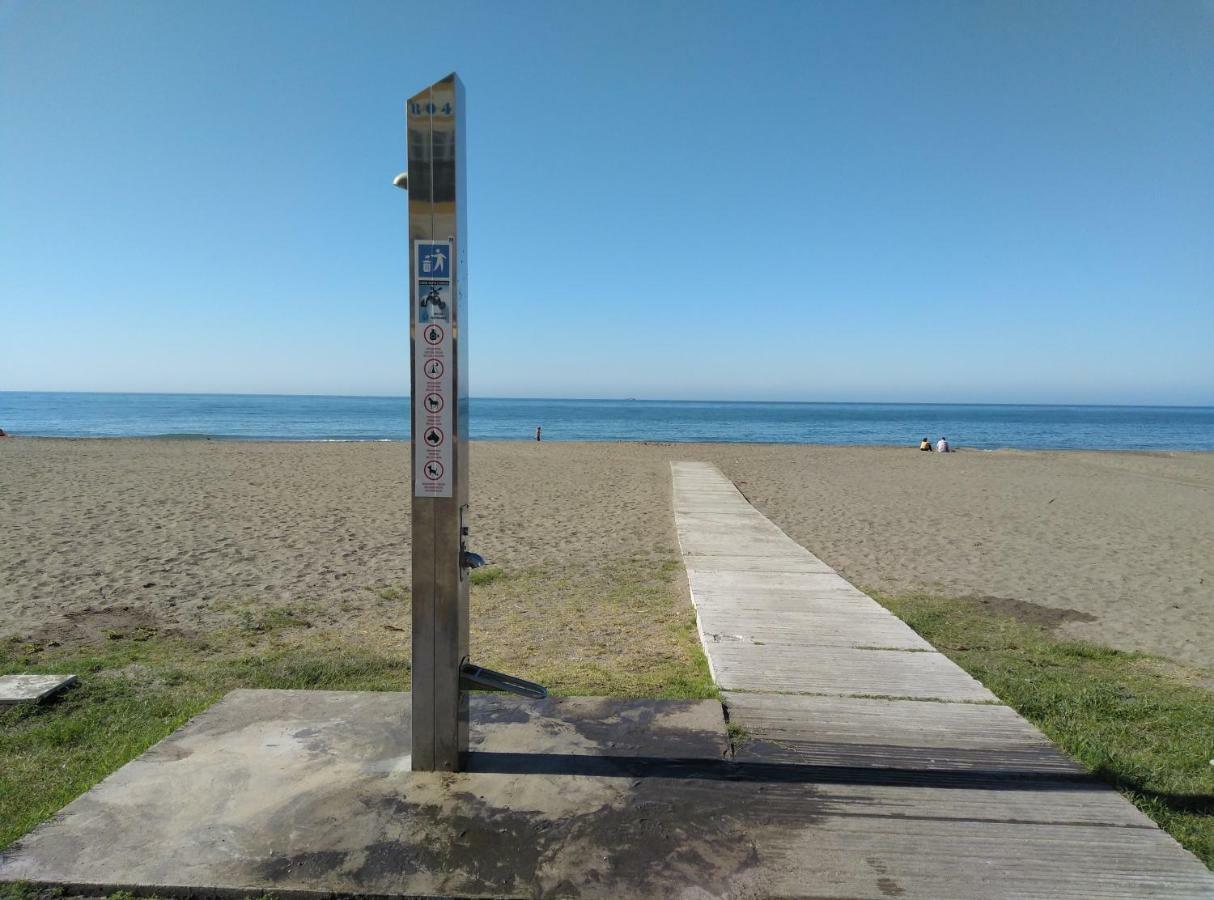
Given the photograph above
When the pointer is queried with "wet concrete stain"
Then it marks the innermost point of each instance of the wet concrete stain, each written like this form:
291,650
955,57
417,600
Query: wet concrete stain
479,848
300,865
889,887
170,751
660,845
502,714
652,837
638,726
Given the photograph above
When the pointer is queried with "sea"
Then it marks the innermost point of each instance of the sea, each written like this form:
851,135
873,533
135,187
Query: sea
303,418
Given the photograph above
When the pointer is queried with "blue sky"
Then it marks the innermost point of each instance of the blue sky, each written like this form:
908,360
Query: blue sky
965,201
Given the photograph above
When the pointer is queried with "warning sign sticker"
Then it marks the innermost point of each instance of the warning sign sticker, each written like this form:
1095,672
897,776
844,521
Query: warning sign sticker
434,301
432,312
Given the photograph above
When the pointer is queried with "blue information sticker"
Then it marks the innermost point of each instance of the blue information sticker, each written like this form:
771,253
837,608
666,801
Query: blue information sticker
433,260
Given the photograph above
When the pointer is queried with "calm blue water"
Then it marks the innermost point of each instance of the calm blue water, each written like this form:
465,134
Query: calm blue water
387,418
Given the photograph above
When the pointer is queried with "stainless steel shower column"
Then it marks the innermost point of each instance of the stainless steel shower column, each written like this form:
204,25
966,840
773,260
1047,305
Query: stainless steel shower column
438,326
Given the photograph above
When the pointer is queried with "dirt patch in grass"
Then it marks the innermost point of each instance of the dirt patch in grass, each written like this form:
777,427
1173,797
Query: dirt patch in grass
1031,613
97,624
1143,723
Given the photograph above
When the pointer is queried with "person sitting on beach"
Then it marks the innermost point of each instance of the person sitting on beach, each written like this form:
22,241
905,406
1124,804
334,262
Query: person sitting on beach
942,445
925,444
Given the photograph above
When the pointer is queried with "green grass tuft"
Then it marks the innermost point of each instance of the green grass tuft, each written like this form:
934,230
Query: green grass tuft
738,735
394,593
486,575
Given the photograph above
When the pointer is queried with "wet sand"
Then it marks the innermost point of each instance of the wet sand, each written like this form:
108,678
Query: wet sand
1112,547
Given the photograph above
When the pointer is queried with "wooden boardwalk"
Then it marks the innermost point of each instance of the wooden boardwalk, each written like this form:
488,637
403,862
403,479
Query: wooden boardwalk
921,784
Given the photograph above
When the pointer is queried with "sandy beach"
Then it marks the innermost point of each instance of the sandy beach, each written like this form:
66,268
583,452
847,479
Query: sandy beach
1111,547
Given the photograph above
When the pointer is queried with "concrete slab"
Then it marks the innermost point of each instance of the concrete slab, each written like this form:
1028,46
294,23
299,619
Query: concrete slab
16,689
311,792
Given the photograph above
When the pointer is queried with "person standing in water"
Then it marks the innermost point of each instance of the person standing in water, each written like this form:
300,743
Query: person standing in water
537,434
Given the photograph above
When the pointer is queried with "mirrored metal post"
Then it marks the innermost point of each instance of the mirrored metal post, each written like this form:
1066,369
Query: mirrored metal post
438,253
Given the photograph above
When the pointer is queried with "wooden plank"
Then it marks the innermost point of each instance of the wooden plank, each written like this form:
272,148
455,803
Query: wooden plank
843,671
852,731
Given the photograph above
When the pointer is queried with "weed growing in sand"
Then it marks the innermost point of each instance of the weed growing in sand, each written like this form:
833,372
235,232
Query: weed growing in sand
1142,723
254,620
393,593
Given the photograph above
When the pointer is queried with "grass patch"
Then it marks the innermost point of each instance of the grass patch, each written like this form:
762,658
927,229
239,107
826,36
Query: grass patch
621,630
1144,724
617,631
254,620
393,593
486,575
21,890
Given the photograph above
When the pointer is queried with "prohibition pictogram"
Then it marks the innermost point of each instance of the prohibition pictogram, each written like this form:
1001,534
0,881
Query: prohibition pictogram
434,437
433,470
433,403
433,368
433,334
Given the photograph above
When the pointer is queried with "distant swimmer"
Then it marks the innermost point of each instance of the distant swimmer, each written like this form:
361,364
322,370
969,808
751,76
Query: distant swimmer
925,444
942,445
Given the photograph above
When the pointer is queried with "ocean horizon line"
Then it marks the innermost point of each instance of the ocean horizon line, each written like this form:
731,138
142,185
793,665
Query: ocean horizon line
259,439
319,417
717,401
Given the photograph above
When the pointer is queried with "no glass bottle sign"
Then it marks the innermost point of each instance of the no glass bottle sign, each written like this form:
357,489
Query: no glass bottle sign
433,303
